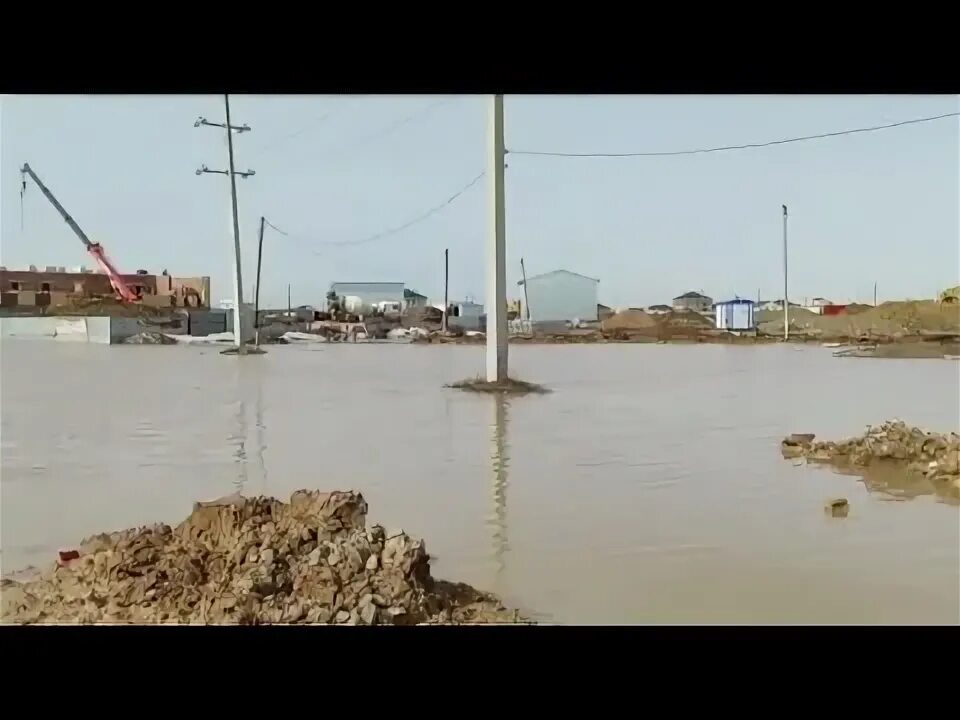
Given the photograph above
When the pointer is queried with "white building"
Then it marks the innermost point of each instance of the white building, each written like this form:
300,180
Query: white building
561,296
736,315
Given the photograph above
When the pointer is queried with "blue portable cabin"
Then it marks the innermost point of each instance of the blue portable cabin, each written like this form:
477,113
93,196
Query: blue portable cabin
736,314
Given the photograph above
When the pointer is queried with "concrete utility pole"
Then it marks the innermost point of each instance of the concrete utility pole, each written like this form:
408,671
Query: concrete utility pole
446,289
231,172
496,249
256,290
526,297
786,302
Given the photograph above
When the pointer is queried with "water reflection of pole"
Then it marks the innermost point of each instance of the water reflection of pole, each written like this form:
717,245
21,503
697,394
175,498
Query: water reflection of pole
239,439
261,444
500,461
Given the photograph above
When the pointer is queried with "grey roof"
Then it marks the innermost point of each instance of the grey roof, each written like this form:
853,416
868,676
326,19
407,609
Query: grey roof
659,307
554,272
691,295
408,293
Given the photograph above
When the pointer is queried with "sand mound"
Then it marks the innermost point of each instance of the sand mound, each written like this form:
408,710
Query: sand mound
629,320
888,320
252,561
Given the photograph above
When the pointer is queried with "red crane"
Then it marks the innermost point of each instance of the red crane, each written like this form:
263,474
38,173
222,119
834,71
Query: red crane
124,293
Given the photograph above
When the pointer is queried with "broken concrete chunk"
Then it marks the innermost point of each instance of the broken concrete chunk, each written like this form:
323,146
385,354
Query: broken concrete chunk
837,507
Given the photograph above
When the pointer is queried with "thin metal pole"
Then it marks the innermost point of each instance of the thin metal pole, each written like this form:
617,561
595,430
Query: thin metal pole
786,302
237,274
874,294
289,309
256,294
526,299
446,287
497,254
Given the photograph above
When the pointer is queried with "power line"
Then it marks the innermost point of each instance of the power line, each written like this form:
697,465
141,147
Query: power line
396,125
309,126
734,147
390,231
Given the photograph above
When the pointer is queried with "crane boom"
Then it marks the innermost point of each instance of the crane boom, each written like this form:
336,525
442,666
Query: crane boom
95,249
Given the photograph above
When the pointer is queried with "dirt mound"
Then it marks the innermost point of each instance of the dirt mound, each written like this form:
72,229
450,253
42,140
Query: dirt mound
427,316
686,319
629,320
914,452
252,561
893,320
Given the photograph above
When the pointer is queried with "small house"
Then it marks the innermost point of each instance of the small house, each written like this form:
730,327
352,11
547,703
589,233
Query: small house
735,315
698,302
413,299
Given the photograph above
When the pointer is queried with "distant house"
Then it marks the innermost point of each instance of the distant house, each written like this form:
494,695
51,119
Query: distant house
773,305
698,302
464,314
735,315
561,296
820,302
658,309
412,299
604,312
370,293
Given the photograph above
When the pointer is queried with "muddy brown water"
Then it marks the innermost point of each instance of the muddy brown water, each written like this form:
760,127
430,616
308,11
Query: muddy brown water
647,488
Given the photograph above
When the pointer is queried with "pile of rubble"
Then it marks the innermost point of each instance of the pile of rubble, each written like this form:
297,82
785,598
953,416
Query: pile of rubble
252,561
933,455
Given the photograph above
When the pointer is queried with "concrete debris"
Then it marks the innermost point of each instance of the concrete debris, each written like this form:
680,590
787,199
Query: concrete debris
838,507
934,456
252,561
149,338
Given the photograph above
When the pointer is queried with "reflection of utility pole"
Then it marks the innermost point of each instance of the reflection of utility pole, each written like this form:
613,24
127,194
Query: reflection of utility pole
497,253
231,172
499,461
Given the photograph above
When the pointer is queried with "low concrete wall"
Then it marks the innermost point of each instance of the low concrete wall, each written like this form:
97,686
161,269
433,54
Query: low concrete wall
60,328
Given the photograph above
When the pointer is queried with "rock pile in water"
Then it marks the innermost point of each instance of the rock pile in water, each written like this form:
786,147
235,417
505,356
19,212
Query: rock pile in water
933,455
252,561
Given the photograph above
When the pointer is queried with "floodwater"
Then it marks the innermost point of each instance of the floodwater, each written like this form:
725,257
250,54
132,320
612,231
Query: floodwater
647,488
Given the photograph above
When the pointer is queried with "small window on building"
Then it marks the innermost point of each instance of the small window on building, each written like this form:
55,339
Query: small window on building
44,287
15,285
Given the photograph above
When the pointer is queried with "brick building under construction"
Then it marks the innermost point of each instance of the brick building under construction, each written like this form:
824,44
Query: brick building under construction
58,286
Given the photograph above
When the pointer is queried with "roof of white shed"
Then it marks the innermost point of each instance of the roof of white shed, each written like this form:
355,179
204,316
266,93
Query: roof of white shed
557,272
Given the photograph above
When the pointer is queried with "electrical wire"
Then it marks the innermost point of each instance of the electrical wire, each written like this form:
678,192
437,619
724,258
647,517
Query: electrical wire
390,231
396,125
734,147
309,126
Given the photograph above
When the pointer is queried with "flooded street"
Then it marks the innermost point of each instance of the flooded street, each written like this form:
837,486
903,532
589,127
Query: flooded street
647,488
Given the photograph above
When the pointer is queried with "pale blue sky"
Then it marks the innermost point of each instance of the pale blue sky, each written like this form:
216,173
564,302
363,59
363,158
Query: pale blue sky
882,206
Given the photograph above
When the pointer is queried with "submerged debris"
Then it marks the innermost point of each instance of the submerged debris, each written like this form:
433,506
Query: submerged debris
149,338
510,386
929,455
252,561
838,507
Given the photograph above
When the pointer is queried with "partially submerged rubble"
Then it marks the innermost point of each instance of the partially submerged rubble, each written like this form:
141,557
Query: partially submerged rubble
911,453
507,387
252,561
